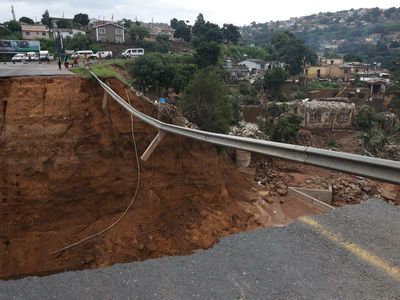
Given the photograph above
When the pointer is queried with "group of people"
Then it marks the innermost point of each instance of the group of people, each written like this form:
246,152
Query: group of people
75,62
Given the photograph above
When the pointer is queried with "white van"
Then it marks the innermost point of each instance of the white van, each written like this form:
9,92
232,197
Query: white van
134,52
82,53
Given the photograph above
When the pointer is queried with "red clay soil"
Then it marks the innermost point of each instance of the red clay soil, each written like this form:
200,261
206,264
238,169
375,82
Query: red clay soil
68,171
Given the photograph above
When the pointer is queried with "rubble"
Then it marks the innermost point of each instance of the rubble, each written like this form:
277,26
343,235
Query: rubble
245,129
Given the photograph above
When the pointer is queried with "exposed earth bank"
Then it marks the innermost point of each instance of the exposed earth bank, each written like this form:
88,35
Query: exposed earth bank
68,170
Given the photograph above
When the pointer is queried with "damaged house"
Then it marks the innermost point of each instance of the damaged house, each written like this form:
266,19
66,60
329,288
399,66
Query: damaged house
332,113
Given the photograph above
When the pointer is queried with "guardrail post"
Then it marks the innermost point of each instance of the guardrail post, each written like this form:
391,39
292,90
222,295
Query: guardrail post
152,146
104,105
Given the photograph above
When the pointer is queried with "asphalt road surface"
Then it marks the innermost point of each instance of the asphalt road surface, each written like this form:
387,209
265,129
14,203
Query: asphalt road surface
348,253
31,69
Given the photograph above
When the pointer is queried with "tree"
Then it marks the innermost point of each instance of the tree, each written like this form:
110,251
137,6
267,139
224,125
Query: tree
394,90
81,19
230,33
207,102
78,41
274,80
46,20
137,32
156,71
174,23
207,54
182,30
62,23
126,23
286,129
11,30
203,31
13,26
292,51
26,20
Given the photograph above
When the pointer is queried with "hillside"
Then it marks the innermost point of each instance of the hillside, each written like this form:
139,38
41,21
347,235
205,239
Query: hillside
376,30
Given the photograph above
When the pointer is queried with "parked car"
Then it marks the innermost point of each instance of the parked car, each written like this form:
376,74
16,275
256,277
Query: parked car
81,54
104,54
44,55
18,57
32,56
134,52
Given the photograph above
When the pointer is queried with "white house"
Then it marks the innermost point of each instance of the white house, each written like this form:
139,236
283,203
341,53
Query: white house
253,64
64,32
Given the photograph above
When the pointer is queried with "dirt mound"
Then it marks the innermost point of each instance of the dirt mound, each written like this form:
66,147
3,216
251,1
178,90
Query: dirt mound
68,170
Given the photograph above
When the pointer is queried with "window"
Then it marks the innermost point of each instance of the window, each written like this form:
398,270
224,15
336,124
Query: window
315,117
118,39
344,117
102,38
44,33
27,33
102,30
118,31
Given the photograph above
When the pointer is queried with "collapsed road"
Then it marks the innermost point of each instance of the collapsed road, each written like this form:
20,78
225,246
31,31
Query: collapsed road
348,253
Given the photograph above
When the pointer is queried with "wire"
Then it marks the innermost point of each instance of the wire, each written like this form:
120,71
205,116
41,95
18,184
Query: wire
130,204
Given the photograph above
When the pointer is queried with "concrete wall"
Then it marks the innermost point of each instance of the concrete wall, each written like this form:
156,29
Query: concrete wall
329,119
299,194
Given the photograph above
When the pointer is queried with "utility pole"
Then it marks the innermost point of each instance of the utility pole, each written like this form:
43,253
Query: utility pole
13,13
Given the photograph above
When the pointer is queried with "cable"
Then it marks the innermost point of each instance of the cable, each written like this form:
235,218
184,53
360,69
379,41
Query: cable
130,204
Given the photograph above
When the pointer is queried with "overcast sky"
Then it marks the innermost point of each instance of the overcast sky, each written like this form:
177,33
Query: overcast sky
217,11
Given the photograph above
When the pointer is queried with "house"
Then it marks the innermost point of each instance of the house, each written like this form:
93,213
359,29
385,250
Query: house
328,113
330,61
34,32
159,29
253,65
236,71
65,32
104,31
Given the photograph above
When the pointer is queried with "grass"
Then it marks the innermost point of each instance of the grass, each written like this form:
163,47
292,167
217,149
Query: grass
104,70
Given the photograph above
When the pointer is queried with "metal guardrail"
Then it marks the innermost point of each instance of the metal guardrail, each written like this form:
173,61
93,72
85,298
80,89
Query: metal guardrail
386,170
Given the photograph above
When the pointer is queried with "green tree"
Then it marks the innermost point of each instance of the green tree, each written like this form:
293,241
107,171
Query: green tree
207,102
368,118
183,31
11,30
292,51
203,31
26,20
174,23
78,41
394,90
63,23
81,19
286,129
138,32
46,20
274,80
13,26
156,71
230,33
207,54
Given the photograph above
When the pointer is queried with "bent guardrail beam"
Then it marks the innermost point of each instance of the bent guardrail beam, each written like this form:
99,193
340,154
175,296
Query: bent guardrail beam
386,170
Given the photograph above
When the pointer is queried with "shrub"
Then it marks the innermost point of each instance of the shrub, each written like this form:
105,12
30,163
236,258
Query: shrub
208,103
286,129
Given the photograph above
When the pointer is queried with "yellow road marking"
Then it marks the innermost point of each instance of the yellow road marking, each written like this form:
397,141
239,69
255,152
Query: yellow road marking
361,253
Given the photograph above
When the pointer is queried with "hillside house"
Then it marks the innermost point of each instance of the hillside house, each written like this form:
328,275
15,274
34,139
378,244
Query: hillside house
34,32
329,113
104,31
254,65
